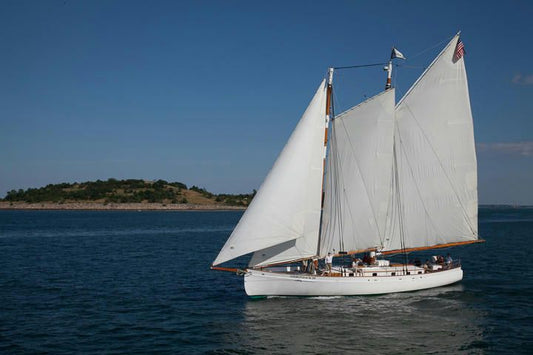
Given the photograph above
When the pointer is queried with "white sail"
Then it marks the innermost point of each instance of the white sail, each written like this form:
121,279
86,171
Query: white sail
358,176
435,159
285,252
287,205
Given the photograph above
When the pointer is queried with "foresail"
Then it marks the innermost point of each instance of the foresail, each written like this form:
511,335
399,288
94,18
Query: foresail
435,159
287,205
358,176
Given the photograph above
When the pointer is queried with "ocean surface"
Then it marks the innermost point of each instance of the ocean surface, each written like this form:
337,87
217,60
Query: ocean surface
139,282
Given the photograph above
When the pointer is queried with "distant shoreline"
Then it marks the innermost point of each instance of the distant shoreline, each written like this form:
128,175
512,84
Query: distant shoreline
101,206
145,206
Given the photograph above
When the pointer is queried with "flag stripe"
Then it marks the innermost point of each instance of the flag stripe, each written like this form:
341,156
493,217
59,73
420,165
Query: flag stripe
459,50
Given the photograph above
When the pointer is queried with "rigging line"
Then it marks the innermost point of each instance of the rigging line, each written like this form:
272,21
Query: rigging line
390,215
432,47
333,98
341,101
415,85
400,209
328,223
340,192
393,223
359,66
397,72
336,186
465,213
336,98
337,207
410,66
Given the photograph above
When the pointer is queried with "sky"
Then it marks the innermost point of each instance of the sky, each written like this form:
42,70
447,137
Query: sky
207,92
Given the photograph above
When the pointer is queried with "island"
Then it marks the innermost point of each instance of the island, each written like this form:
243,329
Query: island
129,194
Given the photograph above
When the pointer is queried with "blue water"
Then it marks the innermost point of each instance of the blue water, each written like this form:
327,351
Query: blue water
139,282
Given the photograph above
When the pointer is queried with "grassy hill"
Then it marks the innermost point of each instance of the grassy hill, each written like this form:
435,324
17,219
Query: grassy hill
126,191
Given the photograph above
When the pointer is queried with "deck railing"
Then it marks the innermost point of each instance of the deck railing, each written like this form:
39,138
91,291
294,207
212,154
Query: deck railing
368,271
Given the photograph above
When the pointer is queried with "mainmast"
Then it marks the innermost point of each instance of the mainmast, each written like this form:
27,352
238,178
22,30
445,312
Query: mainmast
388,68
394,54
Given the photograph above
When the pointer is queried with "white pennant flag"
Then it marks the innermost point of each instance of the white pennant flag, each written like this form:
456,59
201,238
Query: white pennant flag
396,54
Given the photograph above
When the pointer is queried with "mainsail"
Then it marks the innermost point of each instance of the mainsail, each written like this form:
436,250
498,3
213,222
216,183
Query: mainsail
287,205
435,158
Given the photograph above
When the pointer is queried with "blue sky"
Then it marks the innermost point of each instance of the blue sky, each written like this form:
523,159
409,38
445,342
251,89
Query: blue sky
207,92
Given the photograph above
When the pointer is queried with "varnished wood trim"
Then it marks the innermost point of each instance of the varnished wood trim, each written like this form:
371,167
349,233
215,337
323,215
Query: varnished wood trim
438,246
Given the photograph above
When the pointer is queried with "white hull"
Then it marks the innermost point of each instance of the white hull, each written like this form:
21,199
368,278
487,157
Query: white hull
267,283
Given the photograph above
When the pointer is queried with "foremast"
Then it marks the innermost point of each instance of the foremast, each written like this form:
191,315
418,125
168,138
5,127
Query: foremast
329,111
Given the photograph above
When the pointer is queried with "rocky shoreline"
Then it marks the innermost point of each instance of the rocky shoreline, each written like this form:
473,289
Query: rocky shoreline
101,206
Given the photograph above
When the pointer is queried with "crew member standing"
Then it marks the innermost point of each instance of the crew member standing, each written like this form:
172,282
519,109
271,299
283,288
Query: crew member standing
329,262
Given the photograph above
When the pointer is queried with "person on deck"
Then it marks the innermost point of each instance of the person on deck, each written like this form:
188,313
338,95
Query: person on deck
329,262
356,262
314,266
366,259
372,258
304,265
449,260
427,265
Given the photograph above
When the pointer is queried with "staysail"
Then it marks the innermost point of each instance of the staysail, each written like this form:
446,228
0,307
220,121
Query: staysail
287,205
435,159
358,176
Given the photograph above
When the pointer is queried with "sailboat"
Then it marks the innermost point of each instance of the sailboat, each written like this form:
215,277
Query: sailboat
381,178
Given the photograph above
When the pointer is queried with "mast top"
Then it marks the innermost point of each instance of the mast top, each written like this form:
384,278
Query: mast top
394,54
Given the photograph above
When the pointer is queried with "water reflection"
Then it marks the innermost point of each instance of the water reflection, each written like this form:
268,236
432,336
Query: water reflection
428,321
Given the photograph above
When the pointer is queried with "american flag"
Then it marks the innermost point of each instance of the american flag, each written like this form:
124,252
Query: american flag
459,51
